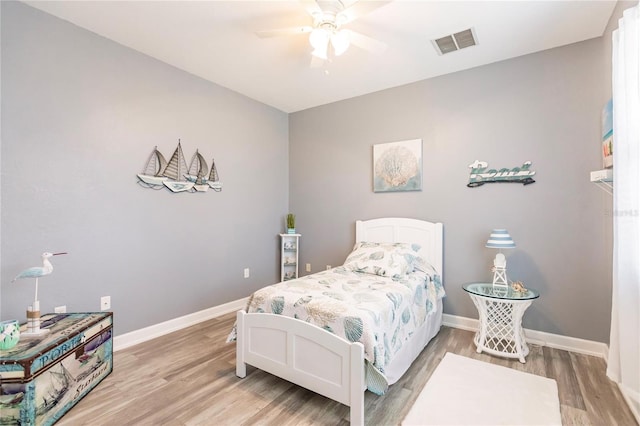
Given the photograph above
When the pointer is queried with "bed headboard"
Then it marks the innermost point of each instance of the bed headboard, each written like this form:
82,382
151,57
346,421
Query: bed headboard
402,230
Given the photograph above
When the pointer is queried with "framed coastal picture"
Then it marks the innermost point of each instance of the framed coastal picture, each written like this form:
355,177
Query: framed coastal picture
397,166
607,134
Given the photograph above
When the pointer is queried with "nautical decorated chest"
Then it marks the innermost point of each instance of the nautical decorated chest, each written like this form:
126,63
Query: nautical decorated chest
42,378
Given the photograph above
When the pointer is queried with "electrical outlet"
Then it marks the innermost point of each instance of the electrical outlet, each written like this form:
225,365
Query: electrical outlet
328,267
247,273
105,303
308,268
60,309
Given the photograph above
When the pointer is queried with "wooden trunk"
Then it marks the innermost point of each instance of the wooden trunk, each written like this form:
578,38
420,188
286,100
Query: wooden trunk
42,378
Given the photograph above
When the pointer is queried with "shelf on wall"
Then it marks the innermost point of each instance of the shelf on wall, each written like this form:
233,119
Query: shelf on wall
604,179
289,256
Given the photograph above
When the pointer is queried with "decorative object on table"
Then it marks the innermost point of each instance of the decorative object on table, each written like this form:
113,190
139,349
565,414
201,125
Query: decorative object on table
9,334
500,239
518,286
33,311
41,379
397,166
174,174
480,175
291,223
607,135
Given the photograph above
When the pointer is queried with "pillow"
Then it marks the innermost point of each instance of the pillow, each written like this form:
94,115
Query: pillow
420,264
383,259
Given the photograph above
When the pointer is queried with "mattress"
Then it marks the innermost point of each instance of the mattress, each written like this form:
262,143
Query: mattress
382,313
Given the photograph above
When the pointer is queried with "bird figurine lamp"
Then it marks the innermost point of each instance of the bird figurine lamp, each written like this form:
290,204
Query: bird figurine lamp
500,239
33,311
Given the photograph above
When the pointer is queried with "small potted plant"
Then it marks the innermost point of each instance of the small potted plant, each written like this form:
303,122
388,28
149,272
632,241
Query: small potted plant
291,223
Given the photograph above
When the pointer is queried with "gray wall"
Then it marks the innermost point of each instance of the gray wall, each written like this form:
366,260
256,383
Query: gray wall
80,116
544,108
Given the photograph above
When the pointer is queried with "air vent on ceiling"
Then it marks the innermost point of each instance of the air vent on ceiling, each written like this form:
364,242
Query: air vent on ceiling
456,41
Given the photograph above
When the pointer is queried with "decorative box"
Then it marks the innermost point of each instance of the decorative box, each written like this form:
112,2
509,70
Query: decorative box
42,378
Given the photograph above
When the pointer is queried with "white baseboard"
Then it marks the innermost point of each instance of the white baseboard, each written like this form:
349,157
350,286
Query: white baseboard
142,335
557,341
541,338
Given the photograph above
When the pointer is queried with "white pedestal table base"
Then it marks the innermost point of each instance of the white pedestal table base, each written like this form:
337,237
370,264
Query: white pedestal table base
501,330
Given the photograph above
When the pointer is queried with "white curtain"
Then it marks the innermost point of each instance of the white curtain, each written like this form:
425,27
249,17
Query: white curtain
624,354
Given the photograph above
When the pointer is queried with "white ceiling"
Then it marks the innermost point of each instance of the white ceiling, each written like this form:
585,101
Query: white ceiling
216,40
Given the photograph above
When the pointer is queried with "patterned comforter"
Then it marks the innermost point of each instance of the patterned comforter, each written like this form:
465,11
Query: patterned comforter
380,312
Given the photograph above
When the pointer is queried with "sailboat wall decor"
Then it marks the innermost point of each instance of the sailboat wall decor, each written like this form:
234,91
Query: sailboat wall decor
176,167
214,181
159,173
198,169
152,176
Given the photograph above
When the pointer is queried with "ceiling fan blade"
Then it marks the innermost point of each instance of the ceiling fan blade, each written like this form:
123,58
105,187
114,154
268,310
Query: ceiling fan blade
284,32
365,42
358,9
311,7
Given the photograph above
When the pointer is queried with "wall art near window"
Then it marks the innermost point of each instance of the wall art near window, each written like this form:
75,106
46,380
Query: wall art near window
397,166
481,174
159,173
607,134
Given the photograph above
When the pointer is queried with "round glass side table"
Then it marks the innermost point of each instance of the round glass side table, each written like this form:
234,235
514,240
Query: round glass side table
501,310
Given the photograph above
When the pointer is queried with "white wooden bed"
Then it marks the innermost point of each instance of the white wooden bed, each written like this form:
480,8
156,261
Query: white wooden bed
320,361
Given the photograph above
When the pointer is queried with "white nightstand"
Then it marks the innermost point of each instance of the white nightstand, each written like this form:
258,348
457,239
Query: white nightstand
501,310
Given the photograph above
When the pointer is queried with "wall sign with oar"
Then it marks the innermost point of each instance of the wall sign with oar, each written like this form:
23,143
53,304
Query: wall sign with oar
174,174
481,174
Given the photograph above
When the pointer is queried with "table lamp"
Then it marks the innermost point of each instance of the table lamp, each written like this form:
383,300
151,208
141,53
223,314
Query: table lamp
500,239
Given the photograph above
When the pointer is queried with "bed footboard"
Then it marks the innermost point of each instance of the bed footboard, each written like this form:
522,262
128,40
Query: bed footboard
305,355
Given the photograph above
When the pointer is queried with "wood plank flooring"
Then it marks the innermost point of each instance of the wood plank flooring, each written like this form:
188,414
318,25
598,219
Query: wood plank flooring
188,378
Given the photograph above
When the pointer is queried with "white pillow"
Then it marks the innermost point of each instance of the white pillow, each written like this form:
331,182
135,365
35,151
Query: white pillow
420,264
383,259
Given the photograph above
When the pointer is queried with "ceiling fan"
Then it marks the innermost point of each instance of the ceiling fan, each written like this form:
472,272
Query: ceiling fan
327,34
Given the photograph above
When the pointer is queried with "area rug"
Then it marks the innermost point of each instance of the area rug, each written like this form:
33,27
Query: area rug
464,391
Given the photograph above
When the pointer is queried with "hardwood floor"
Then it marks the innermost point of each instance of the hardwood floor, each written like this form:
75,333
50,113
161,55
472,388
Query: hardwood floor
188,378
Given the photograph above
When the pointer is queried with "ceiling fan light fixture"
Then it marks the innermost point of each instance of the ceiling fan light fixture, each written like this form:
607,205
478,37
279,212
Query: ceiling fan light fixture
320,53
319,38
340,42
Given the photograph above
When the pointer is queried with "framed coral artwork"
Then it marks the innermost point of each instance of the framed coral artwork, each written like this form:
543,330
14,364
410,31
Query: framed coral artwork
397,166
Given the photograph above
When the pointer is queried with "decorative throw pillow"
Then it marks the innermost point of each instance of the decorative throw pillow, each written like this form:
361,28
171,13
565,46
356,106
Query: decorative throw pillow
383,259
422,265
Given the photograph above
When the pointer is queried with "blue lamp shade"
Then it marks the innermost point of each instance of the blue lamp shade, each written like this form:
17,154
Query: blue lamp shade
500,239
